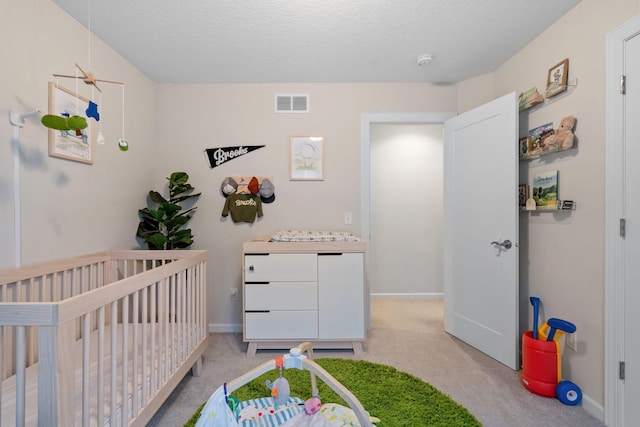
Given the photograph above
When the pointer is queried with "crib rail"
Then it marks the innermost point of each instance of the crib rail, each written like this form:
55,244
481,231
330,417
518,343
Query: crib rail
122,324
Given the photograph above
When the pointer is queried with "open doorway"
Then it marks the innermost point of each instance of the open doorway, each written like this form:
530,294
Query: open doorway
406,214
367,120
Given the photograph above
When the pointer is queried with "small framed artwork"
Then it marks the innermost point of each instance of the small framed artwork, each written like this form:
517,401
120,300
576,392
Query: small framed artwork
523,147
523,194
74,145
538,136
306,158
557,79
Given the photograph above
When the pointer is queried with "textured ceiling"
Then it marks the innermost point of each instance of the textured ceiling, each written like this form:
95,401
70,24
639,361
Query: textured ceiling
259,41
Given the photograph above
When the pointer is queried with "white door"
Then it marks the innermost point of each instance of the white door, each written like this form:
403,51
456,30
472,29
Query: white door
622,249
480,215
631,242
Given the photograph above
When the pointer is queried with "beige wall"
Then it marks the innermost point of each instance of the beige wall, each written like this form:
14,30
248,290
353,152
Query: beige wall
70,208
195,117
563,254
67,207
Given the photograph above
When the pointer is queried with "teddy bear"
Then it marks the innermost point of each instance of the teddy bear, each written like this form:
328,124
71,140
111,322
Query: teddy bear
562,139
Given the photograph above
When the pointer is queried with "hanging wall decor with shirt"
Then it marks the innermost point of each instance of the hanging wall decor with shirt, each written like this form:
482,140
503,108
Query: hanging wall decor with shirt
245,196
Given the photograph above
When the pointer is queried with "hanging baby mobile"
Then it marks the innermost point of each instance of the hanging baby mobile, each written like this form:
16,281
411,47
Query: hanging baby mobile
69,113
76,120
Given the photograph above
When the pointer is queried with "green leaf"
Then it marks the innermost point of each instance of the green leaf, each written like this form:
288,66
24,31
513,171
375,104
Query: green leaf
156,197
170,209
156,241
157,215
178,178
174,225
145,230
183,198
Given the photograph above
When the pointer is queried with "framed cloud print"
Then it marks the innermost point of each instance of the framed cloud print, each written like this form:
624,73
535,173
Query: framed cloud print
306,158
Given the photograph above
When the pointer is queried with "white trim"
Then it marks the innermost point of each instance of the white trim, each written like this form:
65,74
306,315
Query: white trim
592,407
614,210
366,120
420,295
225,328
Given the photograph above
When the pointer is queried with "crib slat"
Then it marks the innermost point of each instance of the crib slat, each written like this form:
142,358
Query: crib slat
145,338
20,375
171,333
135,361
1,367
113,382
100,399
85,368
152,348
125,360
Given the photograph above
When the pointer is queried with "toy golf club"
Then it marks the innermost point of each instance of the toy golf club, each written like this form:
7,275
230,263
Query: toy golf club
558,324
535,302
542,359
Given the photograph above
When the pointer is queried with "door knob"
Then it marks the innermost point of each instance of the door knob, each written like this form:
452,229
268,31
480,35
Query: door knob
505,244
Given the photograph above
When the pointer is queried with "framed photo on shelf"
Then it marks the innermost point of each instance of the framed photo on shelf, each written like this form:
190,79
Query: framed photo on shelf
523,194
306,158
557,78
74,145
538,135
524,144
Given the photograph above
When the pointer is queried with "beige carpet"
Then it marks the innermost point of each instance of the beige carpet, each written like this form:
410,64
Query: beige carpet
409,335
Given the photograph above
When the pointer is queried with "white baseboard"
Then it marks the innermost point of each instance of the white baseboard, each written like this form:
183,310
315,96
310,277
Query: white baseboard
419,295
593,407
227,328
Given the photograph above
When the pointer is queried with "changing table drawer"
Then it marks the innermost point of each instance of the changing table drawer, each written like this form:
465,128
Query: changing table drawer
281,296
300,325
280,268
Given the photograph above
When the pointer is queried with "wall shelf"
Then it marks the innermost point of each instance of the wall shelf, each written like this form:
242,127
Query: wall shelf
571,86
561,205
540,154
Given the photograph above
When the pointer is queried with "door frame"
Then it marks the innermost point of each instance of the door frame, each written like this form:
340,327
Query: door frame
614,210
366,120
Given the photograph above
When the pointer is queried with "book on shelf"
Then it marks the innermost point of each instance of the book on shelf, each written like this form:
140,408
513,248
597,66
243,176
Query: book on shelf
545,188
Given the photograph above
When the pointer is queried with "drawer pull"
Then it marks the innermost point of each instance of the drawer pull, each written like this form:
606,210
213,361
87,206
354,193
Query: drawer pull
330,254
251,268
256,283
257,311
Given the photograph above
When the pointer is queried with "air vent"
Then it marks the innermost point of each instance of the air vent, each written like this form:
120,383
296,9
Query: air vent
291,103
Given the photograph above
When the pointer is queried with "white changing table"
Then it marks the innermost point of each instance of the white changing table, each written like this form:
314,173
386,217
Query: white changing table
303,291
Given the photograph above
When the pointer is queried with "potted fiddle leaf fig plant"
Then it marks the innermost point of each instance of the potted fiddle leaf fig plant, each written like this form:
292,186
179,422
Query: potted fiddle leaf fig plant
162,228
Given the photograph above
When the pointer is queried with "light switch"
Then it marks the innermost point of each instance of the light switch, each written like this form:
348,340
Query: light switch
348,218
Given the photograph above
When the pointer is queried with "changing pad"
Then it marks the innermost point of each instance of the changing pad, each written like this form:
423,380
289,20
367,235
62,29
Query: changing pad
313,236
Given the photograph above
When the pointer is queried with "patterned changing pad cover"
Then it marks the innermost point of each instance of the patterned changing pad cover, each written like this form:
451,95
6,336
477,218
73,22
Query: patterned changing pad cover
313,236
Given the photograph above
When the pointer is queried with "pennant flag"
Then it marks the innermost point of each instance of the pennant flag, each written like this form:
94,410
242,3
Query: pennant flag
218,156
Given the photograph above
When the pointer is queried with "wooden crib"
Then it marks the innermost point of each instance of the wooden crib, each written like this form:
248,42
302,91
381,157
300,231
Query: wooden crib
100,339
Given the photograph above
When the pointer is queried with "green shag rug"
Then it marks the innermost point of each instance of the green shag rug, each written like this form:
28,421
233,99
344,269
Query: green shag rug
395,397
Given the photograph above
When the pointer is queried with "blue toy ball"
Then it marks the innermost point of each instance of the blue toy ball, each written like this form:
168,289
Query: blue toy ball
568,393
